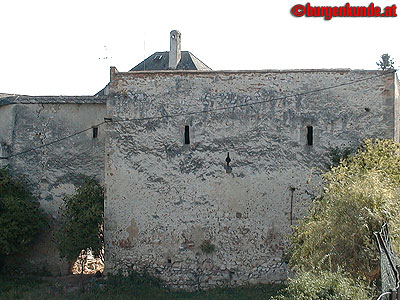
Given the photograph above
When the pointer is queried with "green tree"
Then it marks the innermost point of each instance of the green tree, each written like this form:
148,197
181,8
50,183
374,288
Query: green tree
20,216
359,195
82,223
386,62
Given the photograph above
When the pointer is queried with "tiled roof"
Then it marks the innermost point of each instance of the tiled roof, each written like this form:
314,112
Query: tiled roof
160,60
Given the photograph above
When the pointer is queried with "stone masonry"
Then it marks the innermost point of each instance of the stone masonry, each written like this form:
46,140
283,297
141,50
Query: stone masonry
53,171
205,171
171,195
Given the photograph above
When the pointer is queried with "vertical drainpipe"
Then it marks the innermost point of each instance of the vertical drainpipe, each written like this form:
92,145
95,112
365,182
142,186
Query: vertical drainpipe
292,189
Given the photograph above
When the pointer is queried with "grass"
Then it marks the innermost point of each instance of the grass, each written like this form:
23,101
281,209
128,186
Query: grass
118,288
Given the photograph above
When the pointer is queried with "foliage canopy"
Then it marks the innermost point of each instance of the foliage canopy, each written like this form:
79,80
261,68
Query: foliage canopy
20,216
386,62
82,228
359,195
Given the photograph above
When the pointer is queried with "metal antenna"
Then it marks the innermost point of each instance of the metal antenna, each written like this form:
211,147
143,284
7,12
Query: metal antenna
144,51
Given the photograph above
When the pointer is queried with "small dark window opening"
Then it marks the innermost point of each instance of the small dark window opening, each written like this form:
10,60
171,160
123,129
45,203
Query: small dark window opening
95,132
187,136
228,167
228,160
310,135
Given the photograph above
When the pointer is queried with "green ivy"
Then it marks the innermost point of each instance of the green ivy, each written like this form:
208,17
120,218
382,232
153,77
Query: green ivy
82,222
20,216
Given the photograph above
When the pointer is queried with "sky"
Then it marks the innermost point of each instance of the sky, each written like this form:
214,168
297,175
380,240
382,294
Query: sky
57,47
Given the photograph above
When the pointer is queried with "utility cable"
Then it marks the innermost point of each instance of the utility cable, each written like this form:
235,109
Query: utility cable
197,112
53,142
250,103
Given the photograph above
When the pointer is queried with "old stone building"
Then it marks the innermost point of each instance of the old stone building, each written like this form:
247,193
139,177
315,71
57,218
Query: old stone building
52,171
171,193
205,171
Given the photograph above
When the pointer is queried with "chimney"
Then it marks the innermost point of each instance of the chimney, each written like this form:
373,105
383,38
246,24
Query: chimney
175,49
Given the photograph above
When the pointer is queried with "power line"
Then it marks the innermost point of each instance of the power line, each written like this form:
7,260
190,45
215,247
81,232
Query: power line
53,142
197,112
251,103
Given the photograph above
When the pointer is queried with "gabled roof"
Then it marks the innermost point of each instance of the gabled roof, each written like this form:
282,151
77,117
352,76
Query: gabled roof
160,60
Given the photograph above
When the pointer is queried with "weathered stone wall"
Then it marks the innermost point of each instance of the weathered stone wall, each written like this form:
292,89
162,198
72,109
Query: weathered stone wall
396,89
52,171
164,198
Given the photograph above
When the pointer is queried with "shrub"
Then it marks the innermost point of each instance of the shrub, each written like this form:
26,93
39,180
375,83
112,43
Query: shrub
360,194
323,285
20,216
336,155
82,223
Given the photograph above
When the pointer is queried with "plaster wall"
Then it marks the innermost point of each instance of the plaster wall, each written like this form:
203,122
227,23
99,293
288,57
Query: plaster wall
164,199
52,171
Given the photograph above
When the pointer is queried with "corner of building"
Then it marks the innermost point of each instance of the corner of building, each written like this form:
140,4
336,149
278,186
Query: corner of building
396,107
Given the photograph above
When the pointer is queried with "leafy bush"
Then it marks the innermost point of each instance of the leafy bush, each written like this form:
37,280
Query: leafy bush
360,194
20,216
323,285
207,247
82,222
336,155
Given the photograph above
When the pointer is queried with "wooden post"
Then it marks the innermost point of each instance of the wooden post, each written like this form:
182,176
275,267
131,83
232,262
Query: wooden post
393,295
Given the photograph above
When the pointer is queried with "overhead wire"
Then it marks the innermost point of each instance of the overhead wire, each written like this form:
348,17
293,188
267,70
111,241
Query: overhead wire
197,112
52,142
248,104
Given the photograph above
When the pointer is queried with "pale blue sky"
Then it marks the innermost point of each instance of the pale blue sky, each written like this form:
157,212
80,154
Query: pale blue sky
57,47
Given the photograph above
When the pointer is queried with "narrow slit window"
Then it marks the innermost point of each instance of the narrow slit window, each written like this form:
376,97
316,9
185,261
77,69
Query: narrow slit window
187,135
95,132
310,137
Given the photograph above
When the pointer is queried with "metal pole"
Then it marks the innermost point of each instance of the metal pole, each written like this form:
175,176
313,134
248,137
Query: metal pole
388,255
